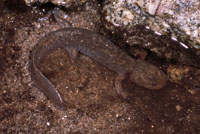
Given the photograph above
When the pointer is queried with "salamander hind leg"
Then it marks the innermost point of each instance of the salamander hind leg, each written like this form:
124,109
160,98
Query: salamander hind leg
73,54
118,85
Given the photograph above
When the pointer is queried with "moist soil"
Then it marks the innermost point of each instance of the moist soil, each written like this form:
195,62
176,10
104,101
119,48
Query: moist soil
92,104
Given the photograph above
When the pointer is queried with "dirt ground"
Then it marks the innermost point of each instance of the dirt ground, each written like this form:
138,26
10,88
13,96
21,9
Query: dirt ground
92,103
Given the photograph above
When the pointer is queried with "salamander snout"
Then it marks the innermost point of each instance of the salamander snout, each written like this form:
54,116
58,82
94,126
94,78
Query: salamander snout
148,76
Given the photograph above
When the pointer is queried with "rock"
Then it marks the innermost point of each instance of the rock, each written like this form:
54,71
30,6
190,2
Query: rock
179,19
64,3
170,29
186,76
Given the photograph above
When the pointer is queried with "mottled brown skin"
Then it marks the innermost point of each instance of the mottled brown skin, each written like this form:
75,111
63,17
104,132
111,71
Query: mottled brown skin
98,48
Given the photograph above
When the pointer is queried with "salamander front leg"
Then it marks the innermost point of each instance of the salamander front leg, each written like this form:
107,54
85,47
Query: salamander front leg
73,54
118,85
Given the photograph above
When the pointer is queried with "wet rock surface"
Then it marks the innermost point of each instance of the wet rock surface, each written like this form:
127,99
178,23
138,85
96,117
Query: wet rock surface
179,19
65,3
92,103
138,24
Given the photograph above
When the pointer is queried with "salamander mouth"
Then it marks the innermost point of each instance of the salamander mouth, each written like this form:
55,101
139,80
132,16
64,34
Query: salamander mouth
158,82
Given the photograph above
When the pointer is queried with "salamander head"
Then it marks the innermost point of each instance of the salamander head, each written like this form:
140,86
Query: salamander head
148,76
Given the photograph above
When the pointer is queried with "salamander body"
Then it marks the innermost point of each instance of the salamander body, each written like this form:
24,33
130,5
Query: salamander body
99,49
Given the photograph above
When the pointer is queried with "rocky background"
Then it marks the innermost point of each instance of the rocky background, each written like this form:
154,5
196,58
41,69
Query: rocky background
165,33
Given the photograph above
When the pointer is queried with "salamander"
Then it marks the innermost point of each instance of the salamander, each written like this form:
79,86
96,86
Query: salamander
98,48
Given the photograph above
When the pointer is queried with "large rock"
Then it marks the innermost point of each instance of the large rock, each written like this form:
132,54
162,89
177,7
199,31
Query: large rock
65,3
180,18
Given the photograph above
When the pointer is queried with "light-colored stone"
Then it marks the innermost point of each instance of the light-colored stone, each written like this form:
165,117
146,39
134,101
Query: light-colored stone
65,3
180,18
